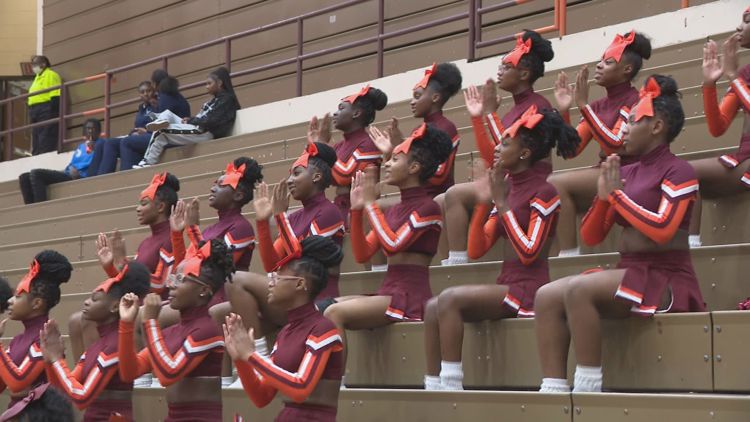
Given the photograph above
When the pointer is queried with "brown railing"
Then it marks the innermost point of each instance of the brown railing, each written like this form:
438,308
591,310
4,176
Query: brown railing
473,15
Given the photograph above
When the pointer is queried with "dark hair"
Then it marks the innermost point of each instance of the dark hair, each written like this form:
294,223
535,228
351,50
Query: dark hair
158,75
430,151
636,52
219,267
147,83
550,132
253,174
375,99
42,58
668,105
222,74
318,255
6,292
169,85
446,81
53,406
97,125
136,280
541,52
167,192
323,162
54,269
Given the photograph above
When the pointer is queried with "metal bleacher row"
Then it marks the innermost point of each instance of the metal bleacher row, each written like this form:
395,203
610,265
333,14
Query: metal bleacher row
687,367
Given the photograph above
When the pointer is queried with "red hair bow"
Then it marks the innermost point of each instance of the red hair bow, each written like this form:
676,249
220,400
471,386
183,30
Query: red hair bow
618,46
352,98
156,181
107,284
21,405
311,150
746,10
25,284
645,106
529,119
426,79
405,146
233,175
522,47
196,258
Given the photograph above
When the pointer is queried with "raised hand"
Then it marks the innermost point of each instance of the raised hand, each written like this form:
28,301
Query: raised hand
53,348
177,218
370,187
473,101
129,307
262,202
104,251
280,197
151,306
563,93
712,67
381,139
118,248
609,177
313,130
729,61
582,87
356,192
325,129
490,98
193,213
2,326
394,132
498,186
238,341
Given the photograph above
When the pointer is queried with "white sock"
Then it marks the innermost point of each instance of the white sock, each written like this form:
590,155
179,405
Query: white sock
432,383
570,252
226,381
554,385
379,267
456,257
588,379
694,240
261,346
451,375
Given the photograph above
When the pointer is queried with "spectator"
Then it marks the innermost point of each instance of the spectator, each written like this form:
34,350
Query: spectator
168,94
44,106
34,183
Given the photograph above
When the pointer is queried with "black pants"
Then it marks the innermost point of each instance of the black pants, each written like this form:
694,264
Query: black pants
34,183
43,138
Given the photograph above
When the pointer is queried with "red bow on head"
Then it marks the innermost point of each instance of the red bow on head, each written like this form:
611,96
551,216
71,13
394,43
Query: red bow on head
426,79
645,106
195,259
21,405
746,11
405,146
156,181
311,150
522,47
352,98
233,175
615,50
25,284
107,284
529,119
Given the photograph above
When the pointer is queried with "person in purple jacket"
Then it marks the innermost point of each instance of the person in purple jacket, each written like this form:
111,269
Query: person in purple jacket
22,363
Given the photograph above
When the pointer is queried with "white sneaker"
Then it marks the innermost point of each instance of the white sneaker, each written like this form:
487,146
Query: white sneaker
157,125
237,385
156,383
141,165
143,381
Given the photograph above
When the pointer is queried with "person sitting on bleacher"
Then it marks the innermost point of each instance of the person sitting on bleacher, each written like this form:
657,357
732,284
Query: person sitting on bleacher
652,200
35,182
215,120
168,96
407,232
525,212
112,149
21,362
306,365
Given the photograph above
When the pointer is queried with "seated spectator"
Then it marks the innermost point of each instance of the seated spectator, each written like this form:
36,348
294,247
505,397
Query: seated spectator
215,120
34,183
111,149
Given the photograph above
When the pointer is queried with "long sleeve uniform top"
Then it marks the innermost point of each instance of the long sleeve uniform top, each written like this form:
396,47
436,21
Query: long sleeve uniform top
155,252
604,119
444,176
355,152
22,363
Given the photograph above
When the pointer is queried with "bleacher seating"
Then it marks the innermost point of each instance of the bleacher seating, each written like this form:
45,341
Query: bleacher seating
656,366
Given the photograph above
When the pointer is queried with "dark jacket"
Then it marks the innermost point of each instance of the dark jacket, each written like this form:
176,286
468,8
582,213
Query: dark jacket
217,115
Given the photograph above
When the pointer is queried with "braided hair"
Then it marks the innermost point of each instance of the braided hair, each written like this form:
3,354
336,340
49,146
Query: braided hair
318,255
323,162
374,100
219,267
167,192
136,280
252,175
54,269
667,105
541,52
550,132
431,150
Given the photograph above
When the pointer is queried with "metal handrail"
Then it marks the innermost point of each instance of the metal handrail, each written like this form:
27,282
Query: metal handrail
473,15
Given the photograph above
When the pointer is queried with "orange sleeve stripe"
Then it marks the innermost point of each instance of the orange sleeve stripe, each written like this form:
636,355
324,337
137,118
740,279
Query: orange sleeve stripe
596,223
363,247
485,146
358,161
608,137
178,247
163,269
395,241
718,118
194,234
97,379
258,392
529,244
269,254
239,244
331,231
132,364
19,378
496,126
584,132
445,169
743,93
111,270
482,231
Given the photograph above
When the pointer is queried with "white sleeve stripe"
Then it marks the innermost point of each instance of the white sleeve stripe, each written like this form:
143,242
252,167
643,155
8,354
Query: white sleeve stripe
163,354
546,211
602,126
674,193
393,243
324,342
528,242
